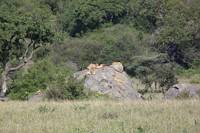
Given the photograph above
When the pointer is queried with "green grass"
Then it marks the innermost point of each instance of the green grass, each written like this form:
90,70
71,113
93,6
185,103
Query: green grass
101,117
192,75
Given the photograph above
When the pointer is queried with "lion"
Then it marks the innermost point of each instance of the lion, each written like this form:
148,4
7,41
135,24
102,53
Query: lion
92,68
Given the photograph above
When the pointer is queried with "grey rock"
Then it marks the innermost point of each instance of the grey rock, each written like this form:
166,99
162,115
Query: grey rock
177,89
4,99
37,98
110,80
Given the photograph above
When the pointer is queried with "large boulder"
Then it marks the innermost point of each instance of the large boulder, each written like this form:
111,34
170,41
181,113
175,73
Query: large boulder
110,80
183,91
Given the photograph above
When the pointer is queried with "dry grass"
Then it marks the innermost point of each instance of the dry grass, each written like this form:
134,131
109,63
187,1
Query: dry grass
101,117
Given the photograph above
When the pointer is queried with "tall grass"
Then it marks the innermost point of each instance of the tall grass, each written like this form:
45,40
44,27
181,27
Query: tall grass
101,117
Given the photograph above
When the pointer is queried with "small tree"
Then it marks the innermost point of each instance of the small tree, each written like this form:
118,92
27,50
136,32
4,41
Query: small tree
155,72
23,29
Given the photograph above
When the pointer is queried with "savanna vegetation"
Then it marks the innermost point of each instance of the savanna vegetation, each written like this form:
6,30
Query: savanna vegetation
43,42
101,117
156,40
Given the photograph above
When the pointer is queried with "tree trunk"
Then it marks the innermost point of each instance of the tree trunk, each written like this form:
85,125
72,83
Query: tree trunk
4,77
4,87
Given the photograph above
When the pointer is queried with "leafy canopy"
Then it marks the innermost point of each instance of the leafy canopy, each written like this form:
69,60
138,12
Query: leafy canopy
22,25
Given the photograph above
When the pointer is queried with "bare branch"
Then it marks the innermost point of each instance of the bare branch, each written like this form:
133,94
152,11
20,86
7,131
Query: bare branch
27,50
28,47
23,63
26,59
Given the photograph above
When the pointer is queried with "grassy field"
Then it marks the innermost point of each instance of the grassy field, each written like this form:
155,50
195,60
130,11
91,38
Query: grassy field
100,117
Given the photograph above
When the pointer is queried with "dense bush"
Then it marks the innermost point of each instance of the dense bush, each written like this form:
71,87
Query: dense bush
146,15
56,6
180,37
71,90
38,77
80,16
157,73
117,43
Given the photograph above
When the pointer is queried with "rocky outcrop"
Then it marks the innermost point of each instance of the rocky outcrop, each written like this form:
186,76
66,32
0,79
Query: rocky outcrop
110,80
183,90
37,97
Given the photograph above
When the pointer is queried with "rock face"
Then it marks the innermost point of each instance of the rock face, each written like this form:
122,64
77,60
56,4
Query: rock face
176,90
36,98
110,80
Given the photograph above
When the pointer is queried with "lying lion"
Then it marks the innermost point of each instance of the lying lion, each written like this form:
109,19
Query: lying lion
92,68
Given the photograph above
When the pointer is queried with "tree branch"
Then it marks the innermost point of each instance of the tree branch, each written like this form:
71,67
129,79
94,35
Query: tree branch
25,58
23,63
27,50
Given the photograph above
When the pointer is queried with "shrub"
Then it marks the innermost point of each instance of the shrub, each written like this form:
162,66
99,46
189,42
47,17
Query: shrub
184,95
38,77
155,71
71,90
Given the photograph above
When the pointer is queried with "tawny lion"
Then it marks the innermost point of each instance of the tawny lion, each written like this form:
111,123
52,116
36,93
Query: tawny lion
92,68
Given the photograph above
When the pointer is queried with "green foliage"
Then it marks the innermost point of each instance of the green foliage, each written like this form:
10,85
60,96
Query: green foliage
157,71
146,14
38,77
100,31
71,90
56,6
140,130
80,16
193,74
22,24
186,24
116,43
179,35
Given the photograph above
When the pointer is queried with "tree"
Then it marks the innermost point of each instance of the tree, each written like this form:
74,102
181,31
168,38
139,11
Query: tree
156,73
146,15
24,28
80,16
179,36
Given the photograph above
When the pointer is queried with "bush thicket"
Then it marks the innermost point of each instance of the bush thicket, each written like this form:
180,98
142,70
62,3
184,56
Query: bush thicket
135,32
38,77
70,90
